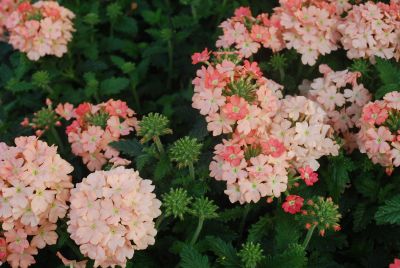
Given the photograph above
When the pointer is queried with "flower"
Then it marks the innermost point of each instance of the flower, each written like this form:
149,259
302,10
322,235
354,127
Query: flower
94,127
293,204
369,30
236,108
201,57
395,264
35,190
342,98
49,34
112,215
378,135
308,175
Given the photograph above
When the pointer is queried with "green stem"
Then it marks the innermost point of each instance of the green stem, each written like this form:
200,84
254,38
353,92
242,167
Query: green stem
159,145
170,63
282,74
57,138
198,230
159,221
246,211
194,11
308,236
191,171
136,97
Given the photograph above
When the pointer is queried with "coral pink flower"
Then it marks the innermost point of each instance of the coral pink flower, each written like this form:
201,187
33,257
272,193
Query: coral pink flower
236,108
293,204
378,143
273,147
374,114
393,99
3,249
308,175
395,264
48,34
201,57
233,154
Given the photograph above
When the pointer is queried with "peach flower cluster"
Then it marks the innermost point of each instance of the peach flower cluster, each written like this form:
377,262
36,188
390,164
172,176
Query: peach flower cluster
379,136
309,27
270,137
342,98
247,33
6,8
371,30
39,29
35,187
94,127
112,215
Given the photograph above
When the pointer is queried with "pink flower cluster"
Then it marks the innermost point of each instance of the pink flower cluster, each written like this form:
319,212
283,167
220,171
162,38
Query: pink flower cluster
35,187
342,98
247,33
94,127
112,215
6,8
270,137
316,27
39,29
309,27
371,30
379,135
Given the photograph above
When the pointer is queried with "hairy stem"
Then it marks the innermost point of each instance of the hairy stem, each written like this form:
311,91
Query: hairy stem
191,171
198,230
308,236
159,145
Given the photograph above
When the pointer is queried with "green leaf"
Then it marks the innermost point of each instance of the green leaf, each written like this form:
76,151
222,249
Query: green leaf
390,212
231,214
337,174
259,229
387,71
362,216
142,160
286,233
113,85
152,17
191,258
294,257
383,90
129,147
18,86
127,25
227,255
162,168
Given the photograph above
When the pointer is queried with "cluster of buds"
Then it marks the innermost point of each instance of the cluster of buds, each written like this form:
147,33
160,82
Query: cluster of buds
35,188
39,29
270,137
43,120
379,135
322,214
94,127
342,98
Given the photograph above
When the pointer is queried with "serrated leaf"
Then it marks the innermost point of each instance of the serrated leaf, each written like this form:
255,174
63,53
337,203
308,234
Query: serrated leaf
388,72
227,255
129,147
294,257
337,174
191,258
362,215
383,90
127,25
162,168
152,17
231,214
286,234
142,160
390,212
113,85
259,229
